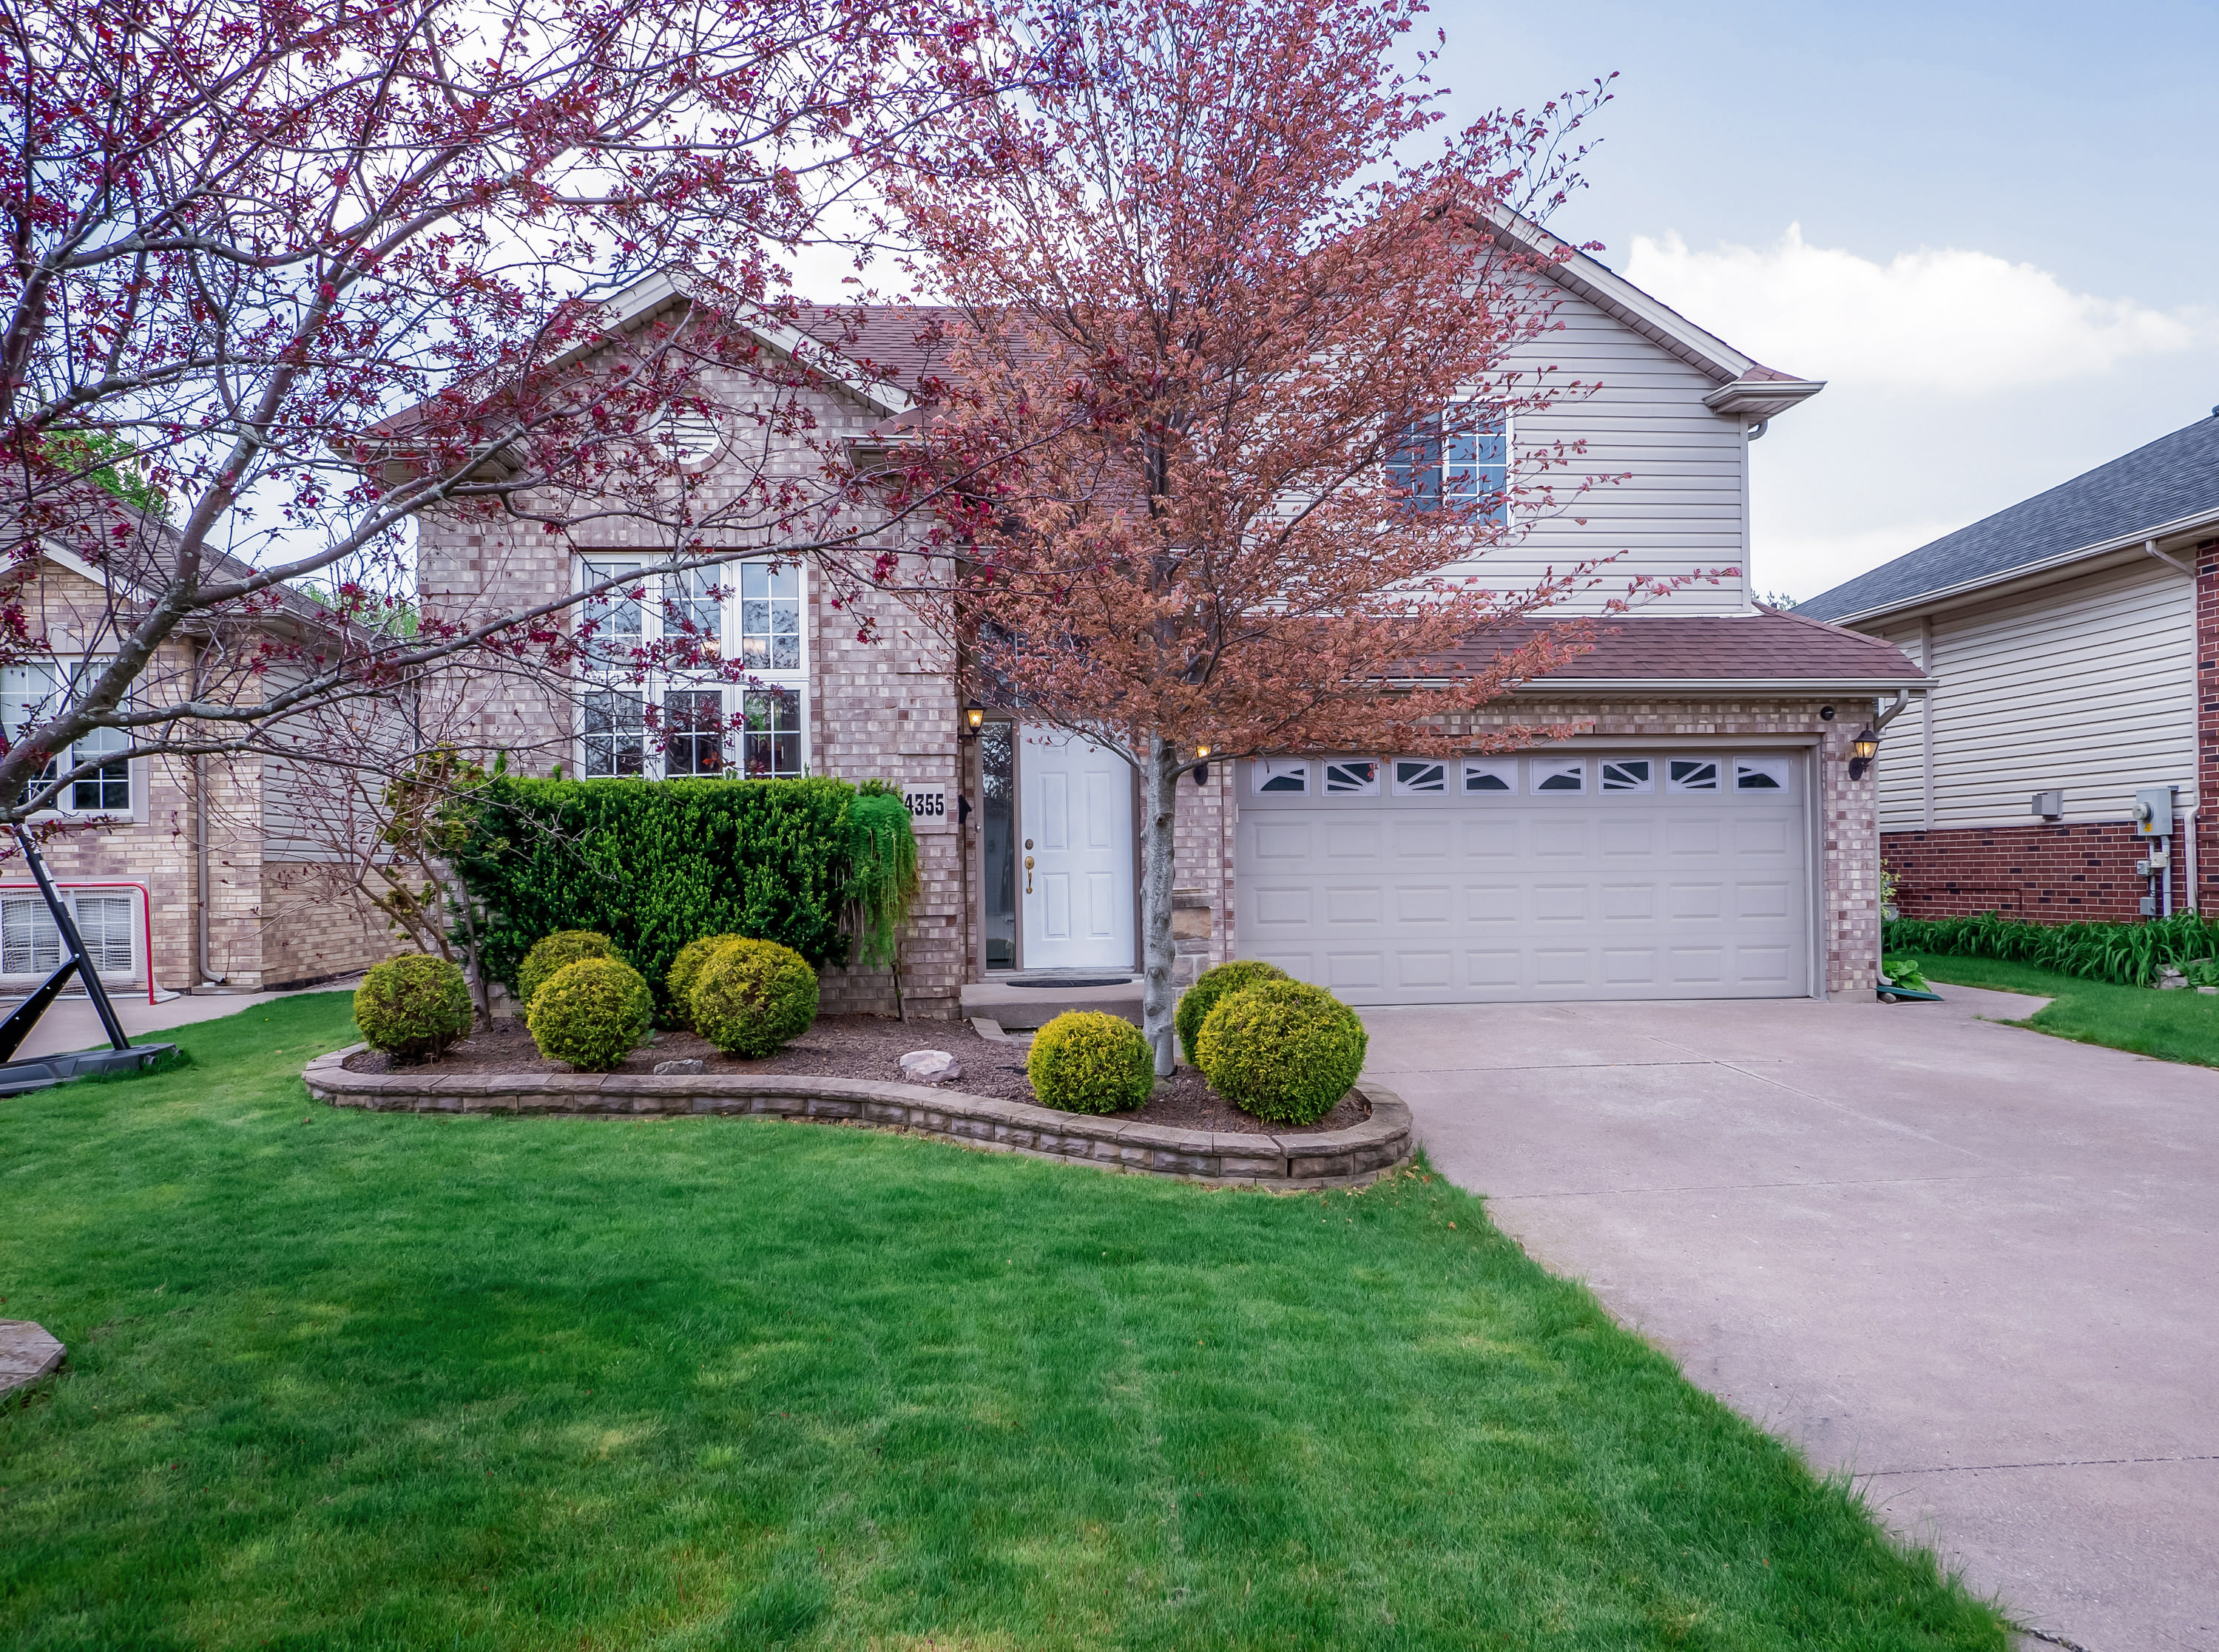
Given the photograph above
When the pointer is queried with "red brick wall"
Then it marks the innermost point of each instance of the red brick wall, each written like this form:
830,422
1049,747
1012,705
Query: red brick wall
2052,874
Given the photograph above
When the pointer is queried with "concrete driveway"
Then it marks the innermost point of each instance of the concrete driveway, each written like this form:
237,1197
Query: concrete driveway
1977,1266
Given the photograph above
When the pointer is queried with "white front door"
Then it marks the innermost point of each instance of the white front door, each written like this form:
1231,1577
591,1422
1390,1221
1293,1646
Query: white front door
1075,870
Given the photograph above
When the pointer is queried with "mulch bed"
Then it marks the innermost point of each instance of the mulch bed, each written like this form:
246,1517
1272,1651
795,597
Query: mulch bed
869,1047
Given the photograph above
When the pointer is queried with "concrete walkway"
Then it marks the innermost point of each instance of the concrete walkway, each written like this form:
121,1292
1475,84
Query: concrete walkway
1975,1266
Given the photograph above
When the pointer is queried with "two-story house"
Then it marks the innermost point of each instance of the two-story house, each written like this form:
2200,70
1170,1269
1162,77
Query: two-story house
1712,835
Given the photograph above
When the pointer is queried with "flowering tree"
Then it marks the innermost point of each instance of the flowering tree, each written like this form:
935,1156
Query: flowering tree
1239,377
279,277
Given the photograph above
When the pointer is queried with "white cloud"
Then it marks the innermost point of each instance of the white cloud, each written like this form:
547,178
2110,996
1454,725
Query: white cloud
1951,321
1801,564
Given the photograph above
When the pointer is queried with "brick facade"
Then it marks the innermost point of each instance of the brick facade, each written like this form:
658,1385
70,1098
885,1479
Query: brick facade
153,856
2053,874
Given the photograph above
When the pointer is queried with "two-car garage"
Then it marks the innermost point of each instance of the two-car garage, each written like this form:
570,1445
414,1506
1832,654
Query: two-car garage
1679,872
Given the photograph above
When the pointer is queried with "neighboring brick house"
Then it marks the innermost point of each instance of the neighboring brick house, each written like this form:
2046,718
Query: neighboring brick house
2073,644
1707,838
184,875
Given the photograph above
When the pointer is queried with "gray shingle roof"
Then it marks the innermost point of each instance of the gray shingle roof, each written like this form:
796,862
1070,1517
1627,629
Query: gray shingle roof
2173,477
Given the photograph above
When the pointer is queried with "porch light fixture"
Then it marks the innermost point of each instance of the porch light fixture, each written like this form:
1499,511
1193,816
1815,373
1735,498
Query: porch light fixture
1863,749
1202,768
974,715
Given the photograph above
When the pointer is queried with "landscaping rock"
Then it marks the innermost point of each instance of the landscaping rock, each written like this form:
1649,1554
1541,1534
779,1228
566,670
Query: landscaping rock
930,1067
2171,980
682,1069
27,1353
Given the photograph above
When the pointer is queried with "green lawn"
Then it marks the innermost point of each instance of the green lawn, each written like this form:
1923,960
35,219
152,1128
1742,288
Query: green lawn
2172,1026
343,1380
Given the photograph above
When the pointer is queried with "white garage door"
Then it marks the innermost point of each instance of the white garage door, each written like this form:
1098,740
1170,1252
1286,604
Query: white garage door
1643,875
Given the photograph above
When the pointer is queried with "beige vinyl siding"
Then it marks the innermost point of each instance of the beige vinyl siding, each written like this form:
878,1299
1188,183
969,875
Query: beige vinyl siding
2086,688
1680,510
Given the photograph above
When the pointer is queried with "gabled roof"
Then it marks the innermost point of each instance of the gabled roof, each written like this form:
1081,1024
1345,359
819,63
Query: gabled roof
1769,650
1745,385
2165,489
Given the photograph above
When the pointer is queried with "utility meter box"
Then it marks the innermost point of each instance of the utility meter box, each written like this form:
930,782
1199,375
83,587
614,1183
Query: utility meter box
2154,811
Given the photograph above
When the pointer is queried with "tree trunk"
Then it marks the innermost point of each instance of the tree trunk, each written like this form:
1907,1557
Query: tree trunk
1159,816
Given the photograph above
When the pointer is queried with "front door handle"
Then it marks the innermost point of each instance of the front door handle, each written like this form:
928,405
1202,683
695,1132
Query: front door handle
1028,874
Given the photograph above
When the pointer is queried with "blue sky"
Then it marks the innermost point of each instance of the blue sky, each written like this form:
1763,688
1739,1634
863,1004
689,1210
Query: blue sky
1991,228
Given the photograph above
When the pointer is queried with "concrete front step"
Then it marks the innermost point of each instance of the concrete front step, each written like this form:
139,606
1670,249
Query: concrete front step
1025,1007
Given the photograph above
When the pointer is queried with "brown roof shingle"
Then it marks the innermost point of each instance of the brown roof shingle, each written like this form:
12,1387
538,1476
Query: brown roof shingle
1766,646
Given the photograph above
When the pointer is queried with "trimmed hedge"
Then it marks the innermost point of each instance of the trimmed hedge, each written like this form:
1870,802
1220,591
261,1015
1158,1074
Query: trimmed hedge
1085,1061
752,997
592,1014
1285,1051
413,1007
1212,984
2131,955
551,954
656,864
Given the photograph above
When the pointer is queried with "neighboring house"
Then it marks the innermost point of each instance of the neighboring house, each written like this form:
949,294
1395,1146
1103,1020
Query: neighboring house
184,875
1705,840
2073,644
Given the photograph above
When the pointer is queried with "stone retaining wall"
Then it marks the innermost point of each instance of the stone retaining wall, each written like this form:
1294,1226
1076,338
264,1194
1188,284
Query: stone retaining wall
1336,1158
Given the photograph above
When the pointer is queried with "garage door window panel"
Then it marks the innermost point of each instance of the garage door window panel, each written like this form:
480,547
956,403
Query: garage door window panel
1490,774
1636,775
1415,778
1762,774
1357,778
1281,776
1558,776
1684,774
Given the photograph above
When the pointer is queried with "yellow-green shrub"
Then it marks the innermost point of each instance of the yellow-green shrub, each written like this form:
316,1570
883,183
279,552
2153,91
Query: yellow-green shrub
686,973
751,996
1285,1051
1085,1061
591,1014
413,1007
1212,984
555,952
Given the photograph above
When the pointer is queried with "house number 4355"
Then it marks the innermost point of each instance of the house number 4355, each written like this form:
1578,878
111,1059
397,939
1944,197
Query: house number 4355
928,807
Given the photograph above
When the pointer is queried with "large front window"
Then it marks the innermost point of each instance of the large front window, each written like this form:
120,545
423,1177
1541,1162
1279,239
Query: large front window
694,731
770,618
616,734
670,715
772,735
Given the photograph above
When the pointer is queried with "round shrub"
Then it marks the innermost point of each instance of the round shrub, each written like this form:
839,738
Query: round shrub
1210,986
413,1007
1285,1051
685,971
591,1014
555,951
751,996
1085,1061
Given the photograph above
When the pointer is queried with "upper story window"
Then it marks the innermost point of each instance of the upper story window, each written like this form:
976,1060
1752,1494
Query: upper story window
34,691
617,617
1463,457
770,617
693,606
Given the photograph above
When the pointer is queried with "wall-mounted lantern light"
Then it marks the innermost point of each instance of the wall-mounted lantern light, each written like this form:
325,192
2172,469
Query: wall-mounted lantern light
1863,749
974,715
1201,767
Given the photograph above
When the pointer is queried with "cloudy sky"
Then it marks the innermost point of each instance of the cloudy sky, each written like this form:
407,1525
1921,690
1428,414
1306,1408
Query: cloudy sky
1991,228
